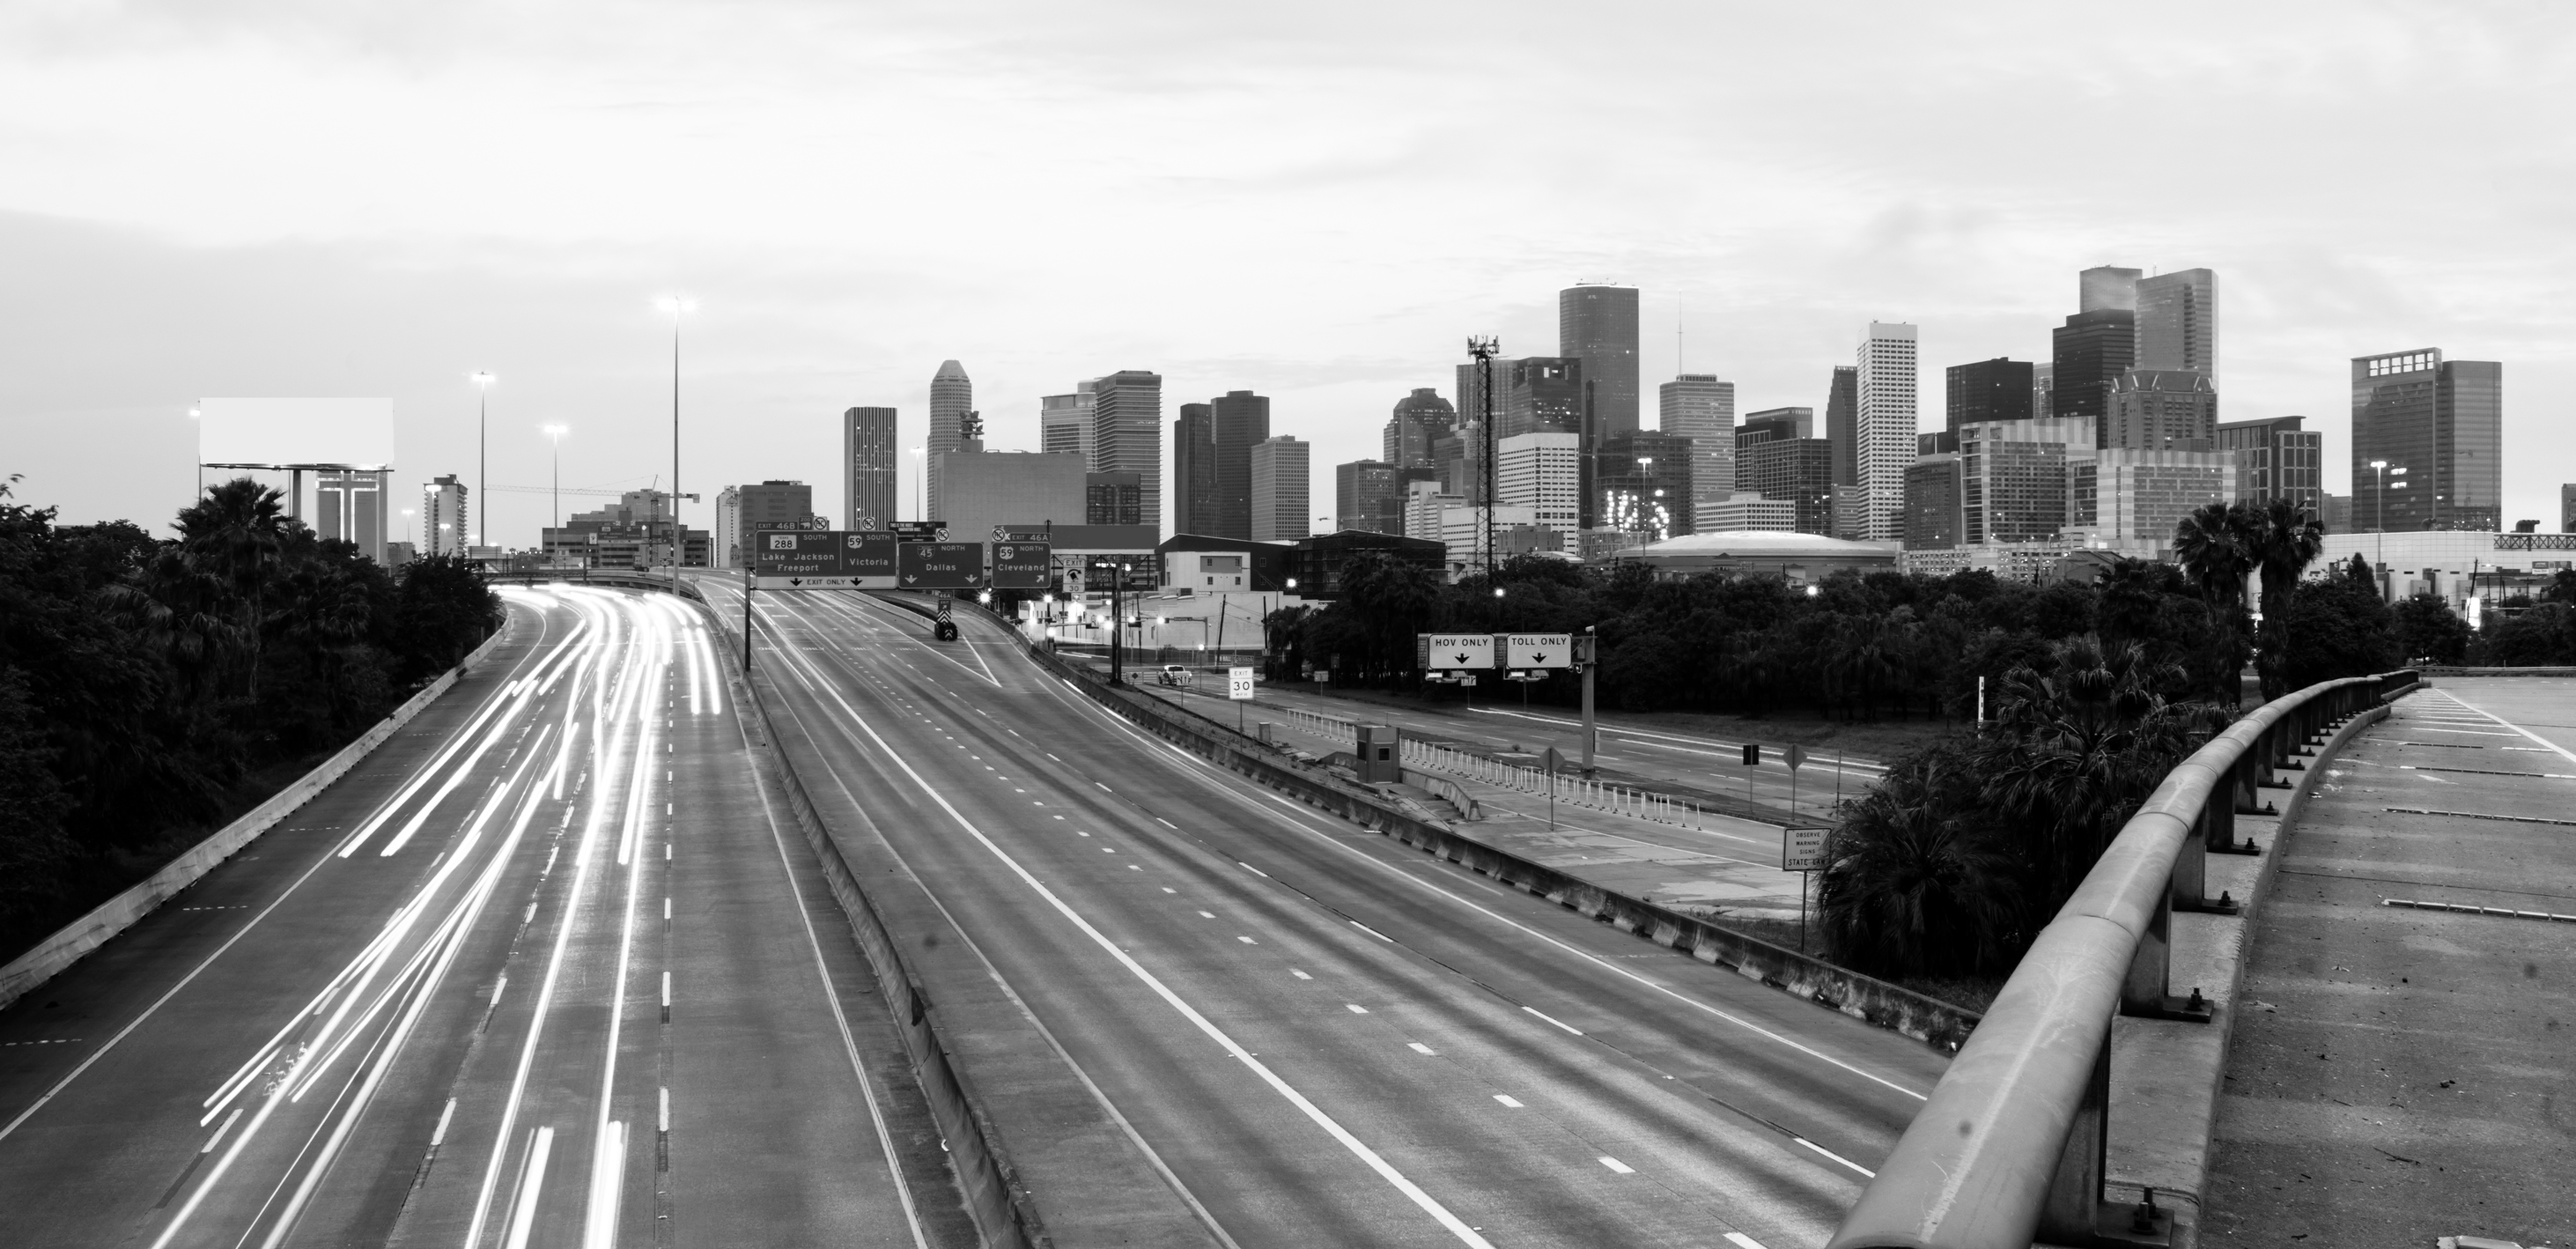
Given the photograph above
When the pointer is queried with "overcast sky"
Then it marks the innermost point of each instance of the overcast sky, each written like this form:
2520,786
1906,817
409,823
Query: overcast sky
1317,201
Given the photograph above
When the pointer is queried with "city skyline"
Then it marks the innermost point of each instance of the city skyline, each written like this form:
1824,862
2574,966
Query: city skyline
393,273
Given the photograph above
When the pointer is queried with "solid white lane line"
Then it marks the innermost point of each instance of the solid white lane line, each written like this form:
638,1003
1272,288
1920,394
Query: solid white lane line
1373,932
1551,1019
2562,751
1616,1167
1413,1192
1742,1241
1508,1100
230,1119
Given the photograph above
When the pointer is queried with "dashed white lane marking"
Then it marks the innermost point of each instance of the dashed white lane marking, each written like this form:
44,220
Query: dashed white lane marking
1617,1167
1299,974
1355,1008
1544,1015
1207,915
1133,868
1077,832
1169,889
1742,1241
1866,1173
1419,1048
1508,1100
1107,850
1247,940
1102,788
1167,824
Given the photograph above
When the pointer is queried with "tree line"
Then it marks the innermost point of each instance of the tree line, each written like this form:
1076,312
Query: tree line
149,685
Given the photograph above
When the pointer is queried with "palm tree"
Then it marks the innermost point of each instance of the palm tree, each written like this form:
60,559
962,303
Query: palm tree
1915,882
2216,546
2285,539
2075,752
234,536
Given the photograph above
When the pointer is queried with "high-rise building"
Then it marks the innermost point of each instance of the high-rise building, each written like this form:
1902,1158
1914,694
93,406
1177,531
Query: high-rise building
1127,434
2442,421
1471,392
2136,499
872,467
2013,477
1194,472
1842,424
1113,499
1988,390
1279,489
1537,393
1701,408
1424,501
952,397
726,551
1778,457
774,502
444,519
1885,425
1368,496
1064,423
2336,511
2161,410
2275,459
2087,356
1543,472
1934,516
2107,288
1418,419
1644,483
349,506
2043,379
1598,325
2178,322
2567,507
1242,422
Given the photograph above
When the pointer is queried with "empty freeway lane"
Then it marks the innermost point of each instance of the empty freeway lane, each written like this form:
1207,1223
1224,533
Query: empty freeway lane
1203,1014
542,971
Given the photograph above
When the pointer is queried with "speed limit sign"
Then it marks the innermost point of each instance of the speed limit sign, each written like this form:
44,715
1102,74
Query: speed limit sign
1238,683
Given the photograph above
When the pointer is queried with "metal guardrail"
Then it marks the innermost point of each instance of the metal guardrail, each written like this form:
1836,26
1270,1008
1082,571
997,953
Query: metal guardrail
1573,791
621,579
2010,1147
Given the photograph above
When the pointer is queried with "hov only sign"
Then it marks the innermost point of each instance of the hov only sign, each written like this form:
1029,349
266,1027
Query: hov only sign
1450,651
1538,650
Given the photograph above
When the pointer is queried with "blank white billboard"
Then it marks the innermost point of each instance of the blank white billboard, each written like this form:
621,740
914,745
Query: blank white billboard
355,433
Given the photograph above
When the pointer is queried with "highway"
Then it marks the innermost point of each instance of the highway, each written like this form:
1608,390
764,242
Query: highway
1204,1014
543,970
1648,754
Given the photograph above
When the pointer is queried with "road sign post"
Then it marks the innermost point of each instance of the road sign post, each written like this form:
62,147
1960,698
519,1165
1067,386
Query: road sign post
1586,650
1802,850
1793,756
1554,762
1238,688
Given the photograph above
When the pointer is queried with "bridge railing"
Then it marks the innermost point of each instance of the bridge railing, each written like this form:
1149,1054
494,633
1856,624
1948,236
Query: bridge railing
2009,1149
624,579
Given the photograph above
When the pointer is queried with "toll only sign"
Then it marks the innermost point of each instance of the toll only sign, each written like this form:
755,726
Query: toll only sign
1452,651
1538,650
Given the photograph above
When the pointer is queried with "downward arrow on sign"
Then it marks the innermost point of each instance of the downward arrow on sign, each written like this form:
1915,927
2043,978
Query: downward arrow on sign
1461,657
1538,657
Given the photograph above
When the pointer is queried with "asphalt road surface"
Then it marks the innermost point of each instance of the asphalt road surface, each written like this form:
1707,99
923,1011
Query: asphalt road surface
1205,1014
544,970
2401,1074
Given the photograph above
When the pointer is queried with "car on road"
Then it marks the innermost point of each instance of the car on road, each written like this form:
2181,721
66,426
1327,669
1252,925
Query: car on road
1173,675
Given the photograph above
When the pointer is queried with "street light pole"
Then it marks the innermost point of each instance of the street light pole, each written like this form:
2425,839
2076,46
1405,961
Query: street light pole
557,432
482,451
677,306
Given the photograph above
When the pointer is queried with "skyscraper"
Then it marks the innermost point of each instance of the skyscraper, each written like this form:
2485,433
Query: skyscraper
1279,488
1778,457
1064,423
1884,426
1701,408
1194,474
2161,410
871,465
2107,288
2275,459
952,396
1541,471
1418,419
444,524
1842,424
2440,420
1598,325
1241,421
2087,356
2178,322
1988,390
1368,495
1537,393
1127,434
